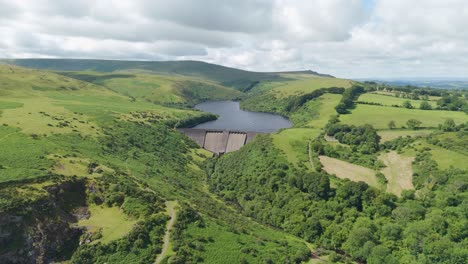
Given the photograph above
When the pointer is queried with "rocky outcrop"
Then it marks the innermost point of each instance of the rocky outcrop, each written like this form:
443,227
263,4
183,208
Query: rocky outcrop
41,230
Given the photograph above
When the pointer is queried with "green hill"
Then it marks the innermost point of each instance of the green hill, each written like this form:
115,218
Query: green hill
226,76
85,172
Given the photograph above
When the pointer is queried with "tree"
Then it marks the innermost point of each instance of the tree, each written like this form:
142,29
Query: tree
407,104
425,106
448,126
381,254
391,124
413,124
360,243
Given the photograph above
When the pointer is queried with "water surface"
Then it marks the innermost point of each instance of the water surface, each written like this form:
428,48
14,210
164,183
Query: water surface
233,118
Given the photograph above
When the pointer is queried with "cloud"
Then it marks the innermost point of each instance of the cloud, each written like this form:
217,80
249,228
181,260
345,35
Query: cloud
248,16
348,38
320,20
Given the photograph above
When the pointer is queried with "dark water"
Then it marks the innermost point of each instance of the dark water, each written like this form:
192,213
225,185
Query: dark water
232,117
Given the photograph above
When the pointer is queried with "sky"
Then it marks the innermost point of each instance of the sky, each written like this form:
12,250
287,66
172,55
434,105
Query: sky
345,38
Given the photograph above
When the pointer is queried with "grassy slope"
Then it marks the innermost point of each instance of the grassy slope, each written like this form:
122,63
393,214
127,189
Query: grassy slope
316,113
162,89
445,158
391,100
308,85
232,77
293,141
112,222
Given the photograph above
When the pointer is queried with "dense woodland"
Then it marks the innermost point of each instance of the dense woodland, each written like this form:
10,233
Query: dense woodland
368,224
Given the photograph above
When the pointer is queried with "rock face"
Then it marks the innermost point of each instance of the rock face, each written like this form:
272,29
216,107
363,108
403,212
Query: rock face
42,230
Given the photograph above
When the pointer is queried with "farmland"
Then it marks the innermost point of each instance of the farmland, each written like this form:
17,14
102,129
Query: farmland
345,170
398,172
390,100
379,116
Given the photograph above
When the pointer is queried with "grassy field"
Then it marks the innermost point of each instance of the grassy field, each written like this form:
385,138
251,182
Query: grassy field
388,93
61,117
316,113
293,142
346,170
169,89
399,172
112,223
379,116
299,87
445,158
387,135
391,100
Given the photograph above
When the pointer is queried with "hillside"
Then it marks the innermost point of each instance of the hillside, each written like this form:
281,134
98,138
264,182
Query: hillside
226,76
101,165
92,169
331,180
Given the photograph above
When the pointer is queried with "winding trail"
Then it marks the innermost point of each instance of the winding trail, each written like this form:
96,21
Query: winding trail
172,212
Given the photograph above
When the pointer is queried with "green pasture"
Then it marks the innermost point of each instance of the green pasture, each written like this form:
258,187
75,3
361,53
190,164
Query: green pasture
294,143
387,135
388,100
445,158
298,87
380,116
316,113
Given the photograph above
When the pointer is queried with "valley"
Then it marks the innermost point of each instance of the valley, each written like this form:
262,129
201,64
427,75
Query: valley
94,168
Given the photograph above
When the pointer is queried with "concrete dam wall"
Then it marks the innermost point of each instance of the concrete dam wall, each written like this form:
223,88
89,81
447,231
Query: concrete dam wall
219,141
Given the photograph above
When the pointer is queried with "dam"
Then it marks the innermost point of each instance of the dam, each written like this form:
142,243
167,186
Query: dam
219,141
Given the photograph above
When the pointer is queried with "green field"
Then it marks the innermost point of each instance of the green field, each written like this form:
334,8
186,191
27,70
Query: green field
293,142
110,221
169,89
445,158
391,100
316,113
379,116
299,87
387,135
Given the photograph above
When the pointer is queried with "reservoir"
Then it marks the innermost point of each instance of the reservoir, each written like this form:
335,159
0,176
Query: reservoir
231,117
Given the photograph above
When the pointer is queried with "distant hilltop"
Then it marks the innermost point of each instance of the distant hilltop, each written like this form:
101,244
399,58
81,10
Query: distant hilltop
227,76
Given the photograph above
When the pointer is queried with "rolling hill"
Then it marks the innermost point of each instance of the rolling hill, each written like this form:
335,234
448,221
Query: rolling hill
226,76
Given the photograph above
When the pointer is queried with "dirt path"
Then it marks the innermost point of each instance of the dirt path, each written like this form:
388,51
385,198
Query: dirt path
172,212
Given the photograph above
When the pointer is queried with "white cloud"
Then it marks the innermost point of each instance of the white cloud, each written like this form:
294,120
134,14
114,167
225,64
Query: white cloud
341,37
